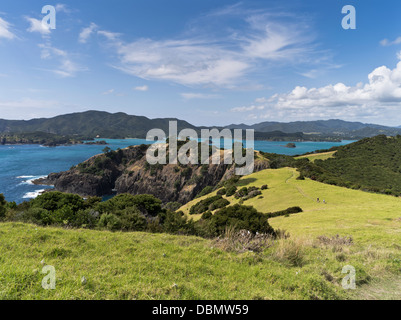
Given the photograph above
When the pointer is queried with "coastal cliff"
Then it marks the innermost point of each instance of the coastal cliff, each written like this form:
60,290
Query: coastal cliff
127,171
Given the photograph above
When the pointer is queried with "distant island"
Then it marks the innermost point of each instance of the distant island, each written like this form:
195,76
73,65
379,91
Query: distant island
290,145
46,139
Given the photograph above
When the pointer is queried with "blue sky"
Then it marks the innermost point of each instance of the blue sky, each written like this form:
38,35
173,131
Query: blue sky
208,62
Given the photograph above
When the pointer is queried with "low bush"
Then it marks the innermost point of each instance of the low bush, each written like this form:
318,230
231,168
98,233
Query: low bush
203,205
243,241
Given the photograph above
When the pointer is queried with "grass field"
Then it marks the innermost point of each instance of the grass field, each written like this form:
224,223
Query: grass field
320,156
160,266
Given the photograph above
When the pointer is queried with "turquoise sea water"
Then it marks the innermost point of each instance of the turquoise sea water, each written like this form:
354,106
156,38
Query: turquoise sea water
20,164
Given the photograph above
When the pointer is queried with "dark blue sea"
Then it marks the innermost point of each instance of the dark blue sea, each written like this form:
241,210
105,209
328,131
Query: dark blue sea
20,164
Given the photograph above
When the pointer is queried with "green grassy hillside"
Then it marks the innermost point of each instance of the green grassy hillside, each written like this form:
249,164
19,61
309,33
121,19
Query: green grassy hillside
371,164
139,265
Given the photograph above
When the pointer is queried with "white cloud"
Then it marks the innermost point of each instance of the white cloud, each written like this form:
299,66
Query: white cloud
87,32
142,88
215,59
38,26
67,67
261,100
60,7
108,92
378,100
109,35
386,42
5,30
384,87
246,109
191,95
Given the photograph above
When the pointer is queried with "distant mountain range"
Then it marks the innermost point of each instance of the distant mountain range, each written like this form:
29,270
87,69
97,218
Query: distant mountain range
332,127
120,125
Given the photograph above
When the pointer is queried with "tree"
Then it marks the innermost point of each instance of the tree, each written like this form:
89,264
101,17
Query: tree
106,150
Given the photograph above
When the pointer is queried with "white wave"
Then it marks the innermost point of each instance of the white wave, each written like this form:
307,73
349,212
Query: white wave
30,181
34,194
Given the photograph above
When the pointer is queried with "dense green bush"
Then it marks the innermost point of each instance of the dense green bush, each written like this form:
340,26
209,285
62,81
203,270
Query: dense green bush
284,212
203,205
218,204
177,223
173,206
241,193
146,203
55,200
230,191
240,218
206,190
109,221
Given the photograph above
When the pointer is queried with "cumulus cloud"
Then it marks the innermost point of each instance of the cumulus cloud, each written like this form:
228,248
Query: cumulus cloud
375,99
384,87
5,30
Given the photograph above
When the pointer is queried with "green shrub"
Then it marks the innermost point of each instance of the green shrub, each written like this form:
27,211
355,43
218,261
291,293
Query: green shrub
206,190
146,203
218,204
221,191
203,205
230,191
241,193
37,215
177,223
239,218
132,219
56,200
173,206
285,212
109,221
207,215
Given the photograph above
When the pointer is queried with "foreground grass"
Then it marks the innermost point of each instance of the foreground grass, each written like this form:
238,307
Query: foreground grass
159,266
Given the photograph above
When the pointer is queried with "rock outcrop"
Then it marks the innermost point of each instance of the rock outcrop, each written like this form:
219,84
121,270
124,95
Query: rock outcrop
127,171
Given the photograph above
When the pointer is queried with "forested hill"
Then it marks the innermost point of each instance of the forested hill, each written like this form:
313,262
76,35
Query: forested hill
333,127
121,125
91,124
371,164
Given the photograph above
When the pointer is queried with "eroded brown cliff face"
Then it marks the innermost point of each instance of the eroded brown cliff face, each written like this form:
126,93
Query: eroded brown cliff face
127,171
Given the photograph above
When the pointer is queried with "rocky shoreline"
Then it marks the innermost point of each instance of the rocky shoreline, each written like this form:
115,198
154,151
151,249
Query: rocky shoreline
127,171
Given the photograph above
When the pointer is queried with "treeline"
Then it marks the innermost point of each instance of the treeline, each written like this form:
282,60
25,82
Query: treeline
127,212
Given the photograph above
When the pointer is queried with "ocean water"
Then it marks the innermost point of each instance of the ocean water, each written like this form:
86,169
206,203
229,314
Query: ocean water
20,164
